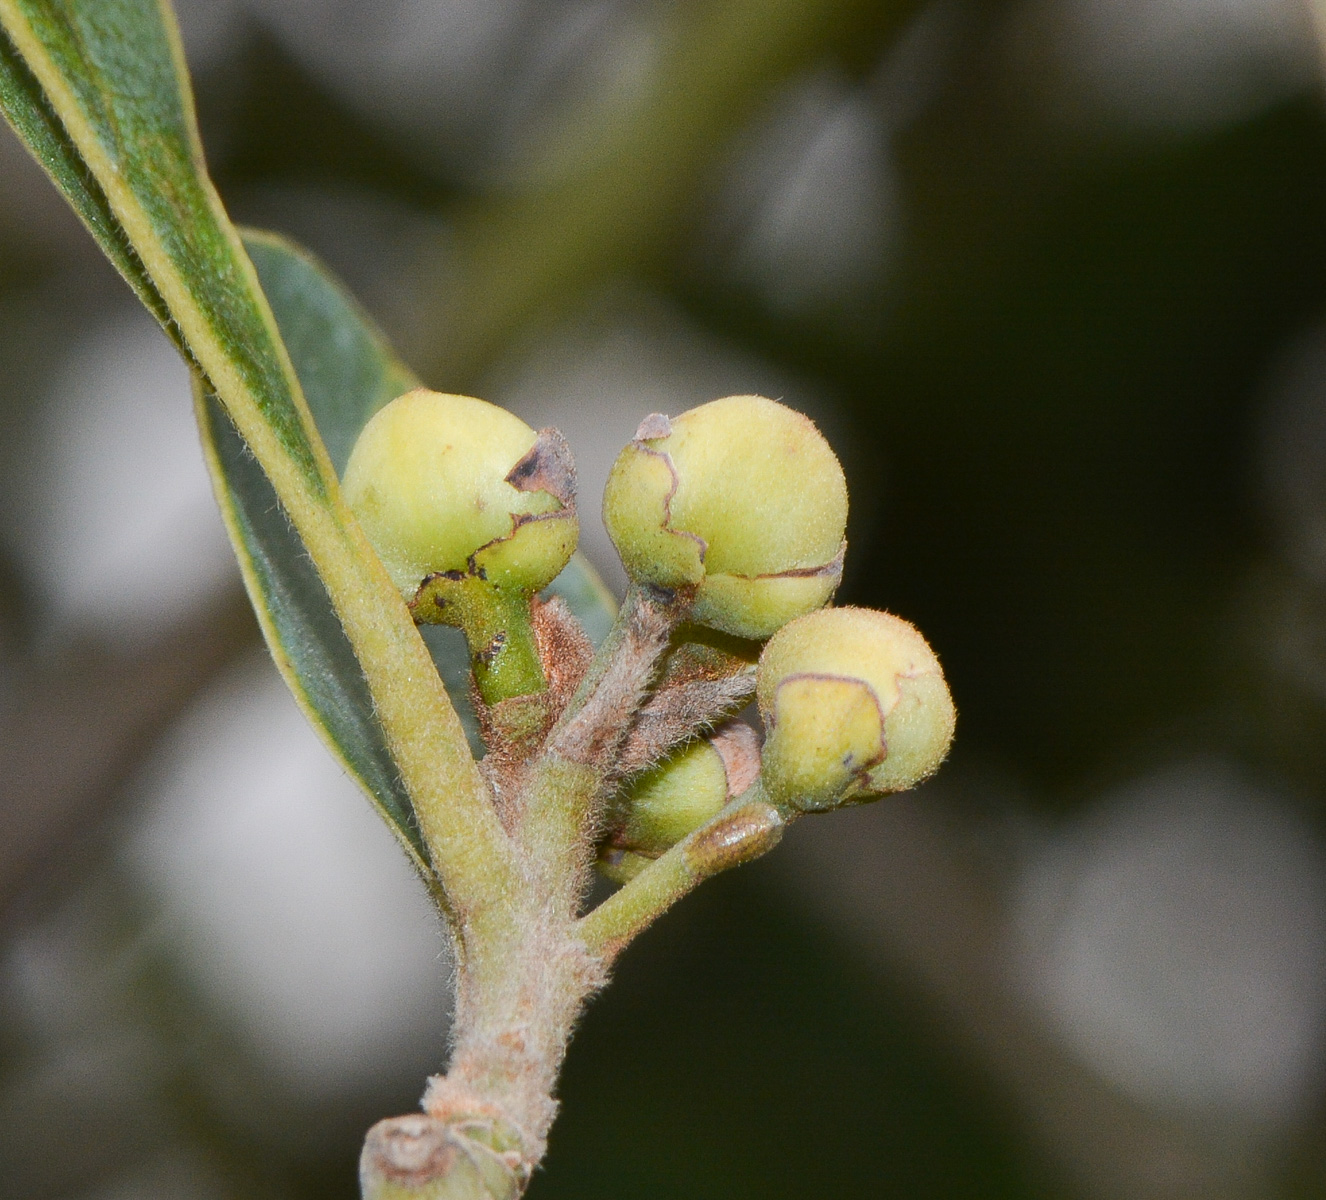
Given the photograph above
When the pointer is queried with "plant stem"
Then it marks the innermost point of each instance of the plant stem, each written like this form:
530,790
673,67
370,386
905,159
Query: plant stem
503,653
568,779
485,1122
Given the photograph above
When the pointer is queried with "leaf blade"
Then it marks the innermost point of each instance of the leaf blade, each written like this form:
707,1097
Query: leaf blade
24,107
308,644
112,72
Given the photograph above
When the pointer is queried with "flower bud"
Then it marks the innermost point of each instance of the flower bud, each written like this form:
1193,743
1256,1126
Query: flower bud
452,485
679,795
741,500
854,705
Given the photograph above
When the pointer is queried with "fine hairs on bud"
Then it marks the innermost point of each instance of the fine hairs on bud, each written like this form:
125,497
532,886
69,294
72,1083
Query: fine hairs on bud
699,685
677,796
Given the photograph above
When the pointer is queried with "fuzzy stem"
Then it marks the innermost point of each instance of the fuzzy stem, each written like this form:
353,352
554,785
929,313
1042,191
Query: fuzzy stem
746,828
568,780
522,981
485,1122
624,663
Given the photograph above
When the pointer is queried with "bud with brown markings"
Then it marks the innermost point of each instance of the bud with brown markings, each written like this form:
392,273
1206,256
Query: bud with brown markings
854,704
739,503
471,512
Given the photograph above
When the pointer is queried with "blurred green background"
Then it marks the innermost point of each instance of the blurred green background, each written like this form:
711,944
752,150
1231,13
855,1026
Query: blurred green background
1051,275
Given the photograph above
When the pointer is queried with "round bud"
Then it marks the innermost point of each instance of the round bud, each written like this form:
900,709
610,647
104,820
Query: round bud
673,798
452,484
854,704
740,499
677,796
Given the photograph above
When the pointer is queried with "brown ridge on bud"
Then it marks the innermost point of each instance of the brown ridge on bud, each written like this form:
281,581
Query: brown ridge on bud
854,704
547,467
447,484
741,500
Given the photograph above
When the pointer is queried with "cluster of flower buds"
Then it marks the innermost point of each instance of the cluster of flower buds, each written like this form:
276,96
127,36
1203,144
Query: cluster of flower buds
740,506
730,520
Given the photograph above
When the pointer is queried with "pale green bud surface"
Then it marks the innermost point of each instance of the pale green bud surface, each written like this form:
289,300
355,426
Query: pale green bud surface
741,499
674,798
427,479
854,705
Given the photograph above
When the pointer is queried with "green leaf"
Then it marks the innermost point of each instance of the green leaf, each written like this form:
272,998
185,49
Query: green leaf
24,106
114,64
98,90
305,635
306,639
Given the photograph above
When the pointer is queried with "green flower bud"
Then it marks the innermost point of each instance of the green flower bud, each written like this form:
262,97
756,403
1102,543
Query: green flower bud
453,485
678,795
741,500
854,704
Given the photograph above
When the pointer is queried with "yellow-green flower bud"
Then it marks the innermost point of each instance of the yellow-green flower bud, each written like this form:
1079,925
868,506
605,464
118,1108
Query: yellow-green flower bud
450,484
854,705
669,800
679,795
741,500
